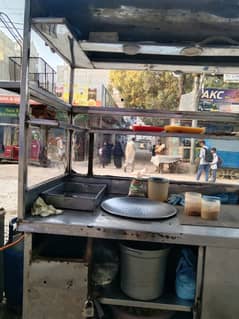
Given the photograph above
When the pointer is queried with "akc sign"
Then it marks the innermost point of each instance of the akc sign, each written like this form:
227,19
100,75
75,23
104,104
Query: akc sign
220,96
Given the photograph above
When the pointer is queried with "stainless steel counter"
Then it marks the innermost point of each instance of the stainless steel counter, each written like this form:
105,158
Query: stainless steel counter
103,225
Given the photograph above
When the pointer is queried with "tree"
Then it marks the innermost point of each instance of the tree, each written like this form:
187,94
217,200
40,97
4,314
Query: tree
149,89
216,82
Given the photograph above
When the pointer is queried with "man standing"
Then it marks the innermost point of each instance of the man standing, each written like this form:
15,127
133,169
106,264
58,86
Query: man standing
130,151
204,165
214,164
158,150
118,154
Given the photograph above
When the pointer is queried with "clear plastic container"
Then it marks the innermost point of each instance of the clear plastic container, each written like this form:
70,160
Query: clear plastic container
211,207
158,189
192,206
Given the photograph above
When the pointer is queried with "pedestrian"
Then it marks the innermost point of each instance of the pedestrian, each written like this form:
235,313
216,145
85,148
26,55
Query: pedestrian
204,161
109,147
103,154
60,148
159,148
76,149
157,151
118,154
153,150
130,151
214,164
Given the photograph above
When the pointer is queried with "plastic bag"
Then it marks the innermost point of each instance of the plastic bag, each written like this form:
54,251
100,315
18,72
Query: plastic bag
186,275
138,188
105,263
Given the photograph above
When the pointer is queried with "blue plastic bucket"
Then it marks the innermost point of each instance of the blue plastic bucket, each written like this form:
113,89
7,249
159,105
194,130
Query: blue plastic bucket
13,270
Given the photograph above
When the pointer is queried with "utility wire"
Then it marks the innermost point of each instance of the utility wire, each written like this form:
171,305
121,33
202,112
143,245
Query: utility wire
3,27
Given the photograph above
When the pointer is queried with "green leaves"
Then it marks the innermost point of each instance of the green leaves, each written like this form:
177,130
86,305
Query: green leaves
146,89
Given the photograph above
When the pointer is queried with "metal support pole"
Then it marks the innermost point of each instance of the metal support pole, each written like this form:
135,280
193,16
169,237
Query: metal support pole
24,107
199,283
27,263
91,154
70,132
46,85
198,82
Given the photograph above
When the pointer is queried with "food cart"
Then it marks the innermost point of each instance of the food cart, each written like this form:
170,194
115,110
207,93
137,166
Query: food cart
187,36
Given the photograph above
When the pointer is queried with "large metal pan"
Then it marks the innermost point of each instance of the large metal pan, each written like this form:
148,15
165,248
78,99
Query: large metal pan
137,207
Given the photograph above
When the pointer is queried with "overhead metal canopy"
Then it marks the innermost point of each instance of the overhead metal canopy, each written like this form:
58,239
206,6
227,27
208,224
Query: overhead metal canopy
143,32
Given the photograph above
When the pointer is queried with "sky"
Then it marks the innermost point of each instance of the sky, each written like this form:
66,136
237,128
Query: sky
15,10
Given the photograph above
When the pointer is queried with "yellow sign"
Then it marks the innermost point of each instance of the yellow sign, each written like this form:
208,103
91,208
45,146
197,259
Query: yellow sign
83,95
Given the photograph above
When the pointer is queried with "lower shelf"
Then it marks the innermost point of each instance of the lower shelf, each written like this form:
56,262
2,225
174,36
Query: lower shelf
113,296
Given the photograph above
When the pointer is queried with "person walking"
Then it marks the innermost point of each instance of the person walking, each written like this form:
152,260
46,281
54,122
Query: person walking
109,147
214,164
118,154
157,151
103,155
204,163
130,151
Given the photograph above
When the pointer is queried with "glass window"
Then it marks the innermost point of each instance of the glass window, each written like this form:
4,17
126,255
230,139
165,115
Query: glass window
46,154
80,146
170,157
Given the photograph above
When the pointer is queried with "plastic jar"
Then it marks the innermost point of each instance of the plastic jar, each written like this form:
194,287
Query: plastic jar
210,208
192,206
158,189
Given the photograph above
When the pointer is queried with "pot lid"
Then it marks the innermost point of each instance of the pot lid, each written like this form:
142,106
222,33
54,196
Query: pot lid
137,207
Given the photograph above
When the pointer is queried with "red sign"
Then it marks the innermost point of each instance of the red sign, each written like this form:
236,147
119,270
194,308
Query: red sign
14,99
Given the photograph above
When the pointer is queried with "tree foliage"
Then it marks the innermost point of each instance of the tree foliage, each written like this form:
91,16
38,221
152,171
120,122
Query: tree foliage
148,89
216,82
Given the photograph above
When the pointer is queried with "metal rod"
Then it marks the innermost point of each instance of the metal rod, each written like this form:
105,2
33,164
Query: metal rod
91,154
24,106
82,61
70,132
198,82
9,124
27,262
162,49
163,134
180,115
199,282
157,66
39,122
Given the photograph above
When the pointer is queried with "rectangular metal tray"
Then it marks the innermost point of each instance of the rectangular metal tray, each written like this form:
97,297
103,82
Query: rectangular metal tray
77,196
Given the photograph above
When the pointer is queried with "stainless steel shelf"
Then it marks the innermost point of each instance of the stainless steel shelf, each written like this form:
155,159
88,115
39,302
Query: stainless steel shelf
113,296
9,124
48,98
164,134
180,115
43,122
37,94
55,123
45,97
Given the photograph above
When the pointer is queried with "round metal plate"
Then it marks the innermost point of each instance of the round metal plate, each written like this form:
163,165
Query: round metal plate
137,207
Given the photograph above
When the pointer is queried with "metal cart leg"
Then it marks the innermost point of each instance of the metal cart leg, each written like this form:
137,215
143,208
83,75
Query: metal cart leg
199,284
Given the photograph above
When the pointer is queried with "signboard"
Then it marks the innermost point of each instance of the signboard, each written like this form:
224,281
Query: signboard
219,95
224,100
9,111
231,78
83,95
14,99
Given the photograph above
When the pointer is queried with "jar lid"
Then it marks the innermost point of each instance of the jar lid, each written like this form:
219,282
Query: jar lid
158,180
